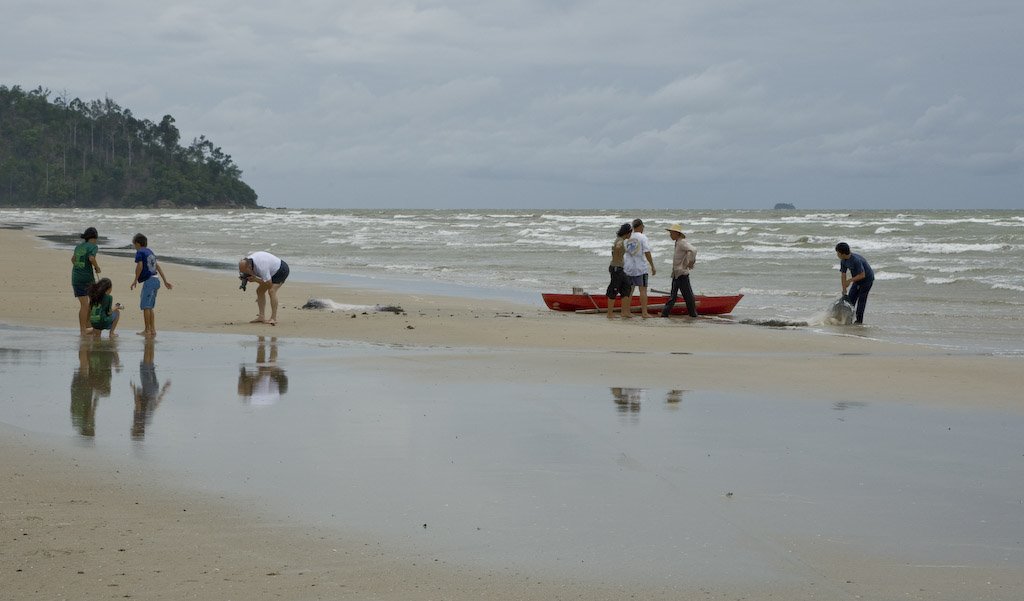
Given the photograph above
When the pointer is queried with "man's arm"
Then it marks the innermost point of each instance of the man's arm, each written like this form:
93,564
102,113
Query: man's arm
650,259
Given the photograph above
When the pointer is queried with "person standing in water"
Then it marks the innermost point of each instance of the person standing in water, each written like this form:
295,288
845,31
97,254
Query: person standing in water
862,277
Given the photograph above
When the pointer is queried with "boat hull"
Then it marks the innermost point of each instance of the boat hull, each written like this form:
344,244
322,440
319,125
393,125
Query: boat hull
706,305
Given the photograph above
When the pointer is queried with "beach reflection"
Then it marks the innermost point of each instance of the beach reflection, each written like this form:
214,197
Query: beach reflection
265,382
629,400
148,393
97,360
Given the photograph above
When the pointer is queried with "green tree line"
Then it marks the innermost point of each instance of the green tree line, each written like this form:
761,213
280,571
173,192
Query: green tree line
71,153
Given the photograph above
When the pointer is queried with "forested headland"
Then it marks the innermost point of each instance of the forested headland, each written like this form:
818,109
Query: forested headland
60,152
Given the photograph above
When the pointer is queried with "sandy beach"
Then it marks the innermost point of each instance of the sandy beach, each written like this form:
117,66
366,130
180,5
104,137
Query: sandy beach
76,528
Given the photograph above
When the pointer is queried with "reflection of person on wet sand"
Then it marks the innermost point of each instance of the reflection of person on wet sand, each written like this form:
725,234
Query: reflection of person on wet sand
265,384
148,393
91,381
628,399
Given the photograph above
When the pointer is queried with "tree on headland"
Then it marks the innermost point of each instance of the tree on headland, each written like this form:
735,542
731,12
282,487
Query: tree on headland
74,153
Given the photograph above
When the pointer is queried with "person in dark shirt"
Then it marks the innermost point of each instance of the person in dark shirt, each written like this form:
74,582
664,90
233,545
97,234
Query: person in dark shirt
860,280
83,264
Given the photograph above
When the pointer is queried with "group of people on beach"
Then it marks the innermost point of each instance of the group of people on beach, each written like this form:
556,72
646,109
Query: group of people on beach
632,264
97,310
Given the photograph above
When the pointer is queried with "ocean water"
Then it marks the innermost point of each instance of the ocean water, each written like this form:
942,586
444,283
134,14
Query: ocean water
951,279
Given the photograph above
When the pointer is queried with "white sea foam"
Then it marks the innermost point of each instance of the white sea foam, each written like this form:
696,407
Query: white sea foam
952,249
893,275
942,280
789,250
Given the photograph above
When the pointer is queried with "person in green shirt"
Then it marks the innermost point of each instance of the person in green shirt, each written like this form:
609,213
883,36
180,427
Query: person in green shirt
83,264
103,313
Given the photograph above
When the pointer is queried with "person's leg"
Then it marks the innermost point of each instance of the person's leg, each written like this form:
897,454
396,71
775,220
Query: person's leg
83,314
643,302
147,321
261,302
687,290
273,303
115,316
862,300
673,296
627,302
612,291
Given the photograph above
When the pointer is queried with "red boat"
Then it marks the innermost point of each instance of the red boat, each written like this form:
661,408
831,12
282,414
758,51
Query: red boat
598,303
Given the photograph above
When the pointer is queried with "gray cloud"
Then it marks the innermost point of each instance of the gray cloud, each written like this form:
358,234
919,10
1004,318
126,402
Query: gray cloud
457,103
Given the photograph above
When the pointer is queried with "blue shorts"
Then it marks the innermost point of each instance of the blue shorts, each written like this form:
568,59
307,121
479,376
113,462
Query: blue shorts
80,289
638,280
147,300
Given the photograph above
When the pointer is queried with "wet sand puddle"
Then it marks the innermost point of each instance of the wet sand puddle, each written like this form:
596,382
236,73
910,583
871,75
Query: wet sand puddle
602,481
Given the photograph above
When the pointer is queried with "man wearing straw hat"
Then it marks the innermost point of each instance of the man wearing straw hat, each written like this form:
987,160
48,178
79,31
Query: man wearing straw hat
683,259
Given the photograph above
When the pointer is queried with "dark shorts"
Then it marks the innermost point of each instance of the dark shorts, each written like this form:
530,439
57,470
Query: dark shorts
638,280
281,275
80,289
619,283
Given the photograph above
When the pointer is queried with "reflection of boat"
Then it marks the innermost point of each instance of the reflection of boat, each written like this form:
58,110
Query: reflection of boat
594,303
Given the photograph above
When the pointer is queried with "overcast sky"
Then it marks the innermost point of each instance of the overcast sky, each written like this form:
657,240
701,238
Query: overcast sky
563,103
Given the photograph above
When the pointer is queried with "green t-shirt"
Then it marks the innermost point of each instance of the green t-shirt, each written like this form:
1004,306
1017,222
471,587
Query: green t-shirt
81,268
99,314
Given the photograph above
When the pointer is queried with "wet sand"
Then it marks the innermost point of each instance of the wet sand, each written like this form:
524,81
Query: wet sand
139,528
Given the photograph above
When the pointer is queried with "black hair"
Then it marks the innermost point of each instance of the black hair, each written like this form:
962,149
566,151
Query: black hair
637,223
140,240
98,290
89,234
624,229
843,248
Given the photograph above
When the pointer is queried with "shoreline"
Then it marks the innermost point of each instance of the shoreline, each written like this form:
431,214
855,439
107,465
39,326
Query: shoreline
710,353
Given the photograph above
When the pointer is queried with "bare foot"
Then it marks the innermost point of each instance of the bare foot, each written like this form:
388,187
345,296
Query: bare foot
142,333
258,320
272,322
646,315
112,335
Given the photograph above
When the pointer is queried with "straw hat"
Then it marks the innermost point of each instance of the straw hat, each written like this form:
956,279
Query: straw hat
676,227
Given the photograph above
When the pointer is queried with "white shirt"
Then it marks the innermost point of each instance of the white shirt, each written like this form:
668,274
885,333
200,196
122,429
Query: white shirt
264,265
635,259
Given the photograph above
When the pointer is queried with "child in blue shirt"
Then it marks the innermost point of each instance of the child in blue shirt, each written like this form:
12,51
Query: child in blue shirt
148,273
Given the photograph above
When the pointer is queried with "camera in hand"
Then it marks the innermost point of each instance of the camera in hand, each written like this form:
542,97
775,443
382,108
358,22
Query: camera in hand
245,281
